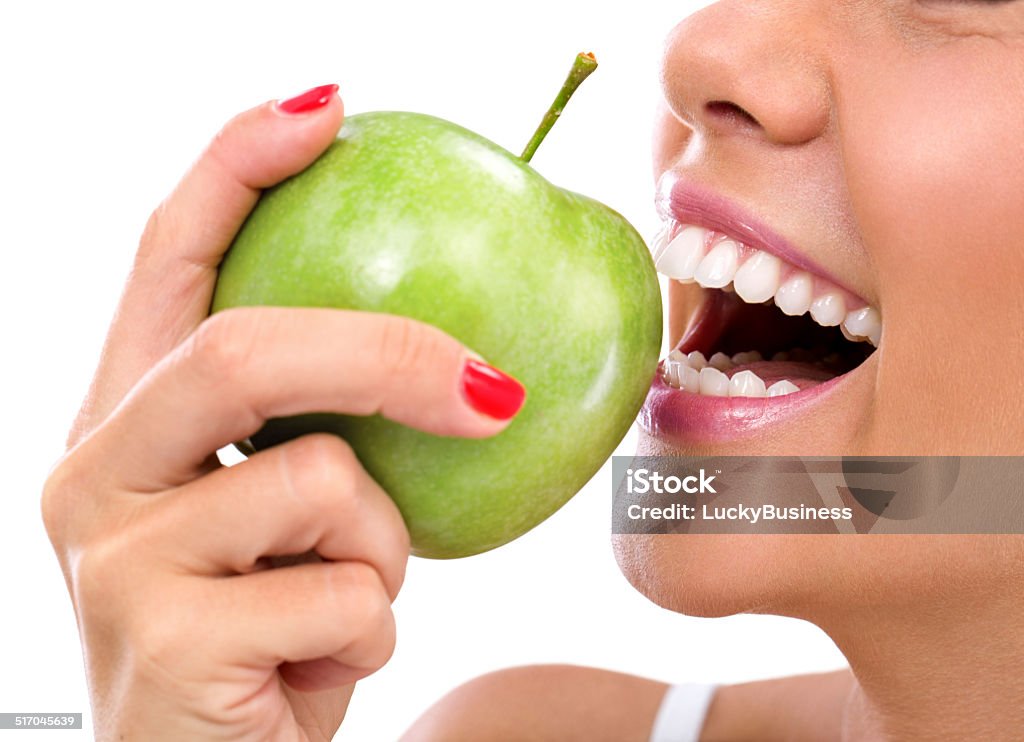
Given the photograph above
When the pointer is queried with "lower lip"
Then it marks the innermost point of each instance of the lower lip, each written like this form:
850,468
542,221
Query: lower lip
685,418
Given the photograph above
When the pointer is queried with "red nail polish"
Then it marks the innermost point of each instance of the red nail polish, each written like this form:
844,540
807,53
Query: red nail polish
490,391
311,100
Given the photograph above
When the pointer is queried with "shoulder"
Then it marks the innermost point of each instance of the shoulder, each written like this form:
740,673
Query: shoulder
564,703
544,702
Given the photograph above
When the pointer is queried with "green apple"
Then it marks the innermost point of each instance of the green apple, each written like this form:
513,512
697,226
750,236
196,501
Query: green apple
412,215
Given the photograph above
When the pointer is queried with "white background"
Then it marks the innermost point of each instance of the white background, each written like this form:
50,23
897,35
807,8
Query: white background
104,107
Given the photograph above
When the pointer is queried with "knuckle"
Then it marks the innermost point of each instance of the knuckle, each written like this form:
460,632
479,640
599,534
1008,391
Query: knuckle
322,465
96,574
380,650
387,647
67,504
220,147
222,346
115,563
367,607
407,344
118,590
225,152
54,502
363,581
159,228
377,629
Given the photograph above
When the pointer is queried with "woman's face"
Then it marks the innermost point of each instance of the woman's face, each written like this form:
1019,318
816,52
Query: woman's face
877,148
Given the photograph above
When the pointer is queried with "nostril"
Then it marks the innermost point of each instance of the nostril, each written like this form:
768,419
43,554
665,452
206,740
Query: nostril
730,112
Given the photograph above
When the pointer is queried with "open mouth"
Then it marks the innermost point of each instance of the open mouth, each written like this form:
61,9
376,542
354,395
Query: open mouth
765,327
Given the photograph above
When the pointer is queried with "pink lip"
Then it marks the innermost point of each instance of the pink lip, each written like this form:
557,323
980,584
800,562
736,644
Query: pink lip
689,203
685,419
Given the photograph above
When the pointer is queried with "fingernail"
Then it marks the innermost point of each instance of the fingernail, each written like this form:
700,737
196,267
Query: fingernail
311,100
490,391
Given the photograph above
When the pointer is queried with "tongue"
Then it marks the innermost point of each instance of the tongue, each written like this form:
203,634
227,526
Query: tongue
804,375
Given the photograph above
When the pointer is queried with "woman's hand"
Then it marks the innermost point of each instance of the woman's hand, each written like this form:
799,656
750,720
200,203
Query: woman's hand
191,630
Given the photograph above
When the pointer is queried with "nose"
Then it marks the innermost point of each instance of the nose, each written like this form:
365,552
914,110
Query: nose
750,68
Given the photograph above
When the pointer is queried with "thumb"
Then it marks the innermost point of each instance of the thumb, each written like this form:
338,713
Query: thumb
169,291
255,150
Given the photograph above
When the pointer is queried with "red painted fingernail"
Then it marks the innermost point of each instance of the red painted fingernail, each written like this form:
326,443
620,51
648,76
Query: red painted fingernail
490,391
311,100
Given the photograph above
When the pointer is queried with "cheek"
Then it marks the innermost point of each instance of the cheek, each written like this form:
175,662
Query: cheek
935,166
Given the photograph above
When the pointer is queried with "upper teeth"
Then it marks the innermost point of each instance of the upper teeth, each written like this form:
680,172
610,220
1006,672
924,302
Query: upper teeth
757,279
718,267
688,253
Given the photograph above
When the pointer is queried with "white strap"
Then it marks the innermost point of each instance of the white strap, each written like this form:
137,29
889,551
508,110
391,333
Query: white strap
681,715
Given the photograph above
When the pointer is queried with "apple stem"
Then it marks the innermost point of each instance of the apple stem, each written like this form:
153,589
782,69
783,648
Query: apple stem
585,64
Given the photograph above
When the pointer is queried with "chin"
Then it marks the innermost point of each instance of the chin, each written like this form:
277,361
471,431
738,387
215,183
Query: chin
714,575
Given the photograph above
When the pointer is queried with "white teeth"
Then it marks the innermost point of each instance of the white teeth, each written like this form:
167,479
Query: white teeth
718,267
686,258
672,373
828,309
782,388
750,356
683,254
746,384
713,383
794,296
781,356
660,241
720,361
693,373
697,360
674,365
690,380
757,279
864,323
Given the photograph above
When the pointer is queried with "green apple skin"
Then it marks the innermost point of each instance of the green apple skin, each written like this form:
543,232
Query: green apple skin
412,215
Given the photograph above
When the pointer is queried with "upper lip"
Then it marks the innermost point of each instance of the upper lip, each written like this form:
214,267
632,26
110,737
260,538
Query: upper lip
690,203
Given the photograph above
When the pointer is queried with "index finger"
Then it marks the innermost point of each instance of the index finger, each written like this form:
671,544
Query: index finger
247,365
169,290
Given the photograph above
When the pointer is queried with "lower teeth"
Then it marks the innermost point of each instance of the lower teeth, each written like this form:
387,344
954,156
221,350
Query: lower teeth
695,374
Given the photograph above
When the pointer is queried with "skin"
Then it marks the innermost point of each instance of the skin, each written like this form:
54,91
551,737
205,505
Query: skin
873,135
856,144
148,541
